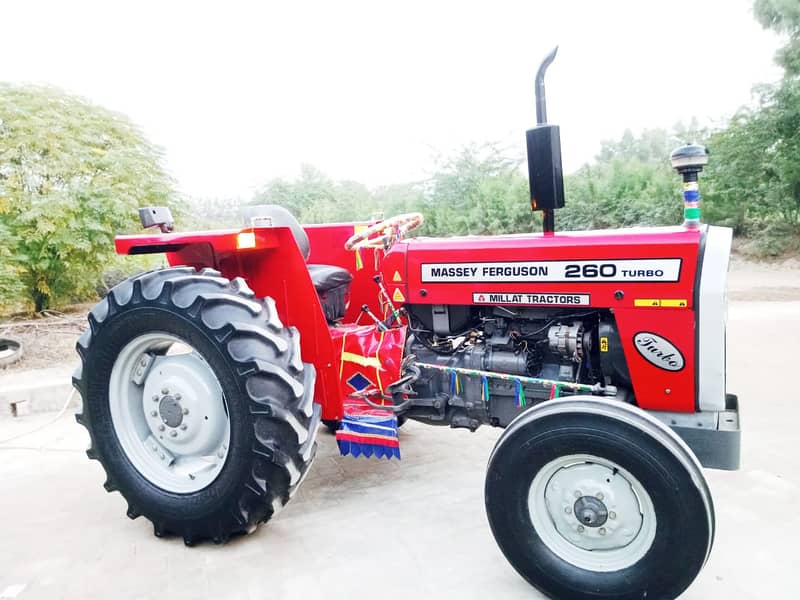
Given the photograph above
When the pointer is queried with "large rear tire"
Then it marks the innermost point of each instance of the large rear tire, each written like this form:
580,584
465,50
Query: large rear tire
590,498
197,402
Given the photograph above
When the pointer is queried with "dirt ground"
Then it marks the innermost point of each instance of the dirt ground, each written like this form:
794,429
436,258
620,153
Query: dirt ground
764,281
49,341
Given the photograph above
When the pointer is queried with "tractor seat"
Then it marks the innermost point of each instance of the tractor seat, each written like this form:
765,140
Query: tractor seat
332,283
333,288
328,277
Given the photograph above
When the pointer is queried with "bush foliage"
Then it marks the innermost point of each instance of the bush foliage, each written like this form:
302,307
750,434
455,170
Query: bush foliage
71,176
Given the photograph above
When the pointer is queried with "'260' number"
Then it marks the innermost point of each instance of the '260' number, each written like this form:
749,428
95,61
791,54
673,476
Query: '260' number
591,271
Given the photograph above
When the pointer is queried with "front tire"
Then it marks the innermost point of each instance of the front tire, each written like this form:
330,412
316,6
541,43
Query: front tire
197,403
595,499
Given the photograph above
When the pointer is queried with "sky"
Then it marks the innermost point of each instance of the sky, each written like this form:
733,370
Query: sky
237,93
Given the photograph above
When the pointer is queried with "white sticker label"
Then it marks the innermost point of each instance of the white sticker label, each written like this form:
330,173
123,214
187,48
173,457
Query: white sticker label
530,299
640,269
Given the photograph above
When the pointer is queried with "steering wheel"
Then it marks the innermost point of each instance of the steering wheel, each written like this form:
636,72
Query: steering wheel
384,233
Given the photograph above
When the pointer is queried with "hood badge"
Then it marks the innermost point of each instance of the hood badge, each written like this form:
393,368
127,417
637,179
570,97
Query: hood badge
658,351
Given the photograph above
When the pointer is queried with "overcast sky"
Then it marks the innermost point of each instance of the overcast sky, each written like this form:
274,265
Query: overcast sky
240,92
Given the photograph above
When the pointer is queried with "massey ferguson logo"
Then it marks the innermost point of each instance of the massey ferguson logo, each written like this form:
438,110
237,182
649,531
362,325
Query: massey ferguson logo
658,351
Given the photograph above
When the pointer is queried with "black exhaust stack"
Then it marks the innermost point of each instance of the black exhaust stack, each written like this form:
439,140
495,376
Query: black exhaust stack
544,157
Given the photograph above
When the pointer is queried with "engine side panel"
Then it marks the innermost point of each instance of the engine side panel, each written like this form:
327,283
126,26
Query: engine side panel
646,278
662,378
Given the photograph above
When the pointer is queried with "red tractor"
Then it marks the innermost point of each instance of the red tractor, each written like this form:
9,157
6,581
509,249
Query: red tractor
601,353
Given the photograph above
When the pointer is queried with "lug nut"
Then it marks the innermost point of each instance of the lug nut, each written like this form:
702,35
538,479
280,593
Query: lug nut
173,433
183,426
153,413
161,428
155,397
177,396
578,494
161,456
599,495
186,411
567,510
165,391
143,362
612,515
154,447
138,371
580,528
602,531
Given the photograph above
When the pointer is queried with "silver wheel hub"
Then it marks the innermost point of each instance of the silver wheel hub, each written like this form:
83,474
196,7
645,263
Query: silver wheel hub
592,513
169,413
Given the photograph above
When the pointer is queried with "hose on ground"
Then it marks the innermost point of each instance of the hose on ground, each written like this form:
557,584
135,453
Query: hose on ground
39,427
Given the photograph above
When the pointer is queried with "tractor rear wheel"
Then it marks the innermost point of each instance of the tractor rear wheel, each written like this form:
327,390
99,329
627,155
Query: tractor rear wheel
590,498
197,402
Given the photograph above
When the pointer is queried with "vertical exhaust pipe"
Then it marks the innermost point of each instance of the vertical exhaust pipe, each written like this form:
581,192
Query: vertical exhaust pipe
544,157
541,101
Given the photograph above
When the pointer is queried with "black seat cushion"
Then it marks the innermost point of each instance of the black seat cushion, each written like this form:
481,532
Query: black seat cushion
328,277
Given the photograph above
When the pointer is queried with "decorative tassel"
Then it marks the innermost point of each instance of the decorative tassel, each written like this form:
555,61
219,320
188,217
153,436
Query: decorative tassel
555,391
366,431
484,389
453,383
359,262
520,396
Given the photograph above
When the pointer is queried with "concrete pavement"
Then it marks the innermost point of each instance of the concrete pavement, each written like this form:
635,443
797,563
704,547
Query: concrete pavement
41,390
374,529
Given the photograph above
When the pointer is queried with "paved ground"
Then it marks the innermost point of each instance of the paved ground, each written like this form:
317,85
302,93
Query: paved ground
368,529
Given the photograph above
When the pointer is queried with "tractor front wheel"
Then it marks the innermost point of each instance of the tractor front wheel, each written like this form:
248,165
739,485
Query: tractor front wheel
590,498
197,402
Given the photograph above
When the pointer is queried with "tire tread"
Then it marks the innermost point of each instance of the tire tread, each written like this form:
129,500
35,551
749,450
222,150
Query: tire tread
284,435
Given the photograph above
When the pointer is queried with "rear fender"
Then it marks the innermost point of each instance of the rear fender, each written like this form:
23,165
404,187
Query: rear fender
269,260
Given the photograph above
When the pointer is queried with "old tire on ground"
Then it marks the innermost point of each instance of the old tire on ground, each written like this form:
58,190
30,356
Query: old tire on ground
197,403
10,351
590,498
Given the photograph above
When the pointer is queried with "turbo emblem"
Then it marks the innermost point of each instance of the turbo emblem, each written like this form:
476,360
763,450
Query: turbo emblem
658,351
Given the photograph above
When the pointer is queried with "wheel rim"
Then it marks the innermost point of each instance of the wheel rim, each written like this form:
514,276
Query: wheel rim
592,513
169,413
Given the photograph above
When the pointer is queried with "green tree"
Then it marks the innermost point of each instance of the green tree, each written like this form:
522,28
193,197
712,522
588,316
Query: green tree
479,191
209,213
71,176
629,183
754,177
783,17
399,198
310,197
10,285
